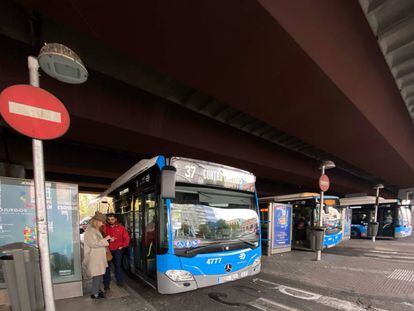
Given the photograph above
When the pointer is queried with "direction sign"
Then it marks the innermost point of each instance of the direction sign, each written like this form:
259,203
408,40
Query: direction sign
324,182
34,112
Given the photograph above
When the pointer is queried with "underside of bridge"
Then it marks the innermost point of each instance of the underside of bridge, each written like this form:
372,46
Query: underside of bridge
269,86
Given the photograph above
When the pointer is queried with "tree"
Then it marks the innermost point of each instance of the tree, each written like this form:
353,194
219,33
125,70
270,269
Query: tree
85,209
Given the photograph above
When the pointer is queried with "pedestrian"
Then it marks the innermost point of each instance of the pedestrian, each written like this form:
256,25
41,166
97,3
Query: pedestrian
120,241
301,230
94,261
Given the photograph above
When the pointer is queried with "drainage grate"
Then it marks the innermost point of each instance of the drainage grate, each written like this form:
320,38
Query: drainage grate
402,275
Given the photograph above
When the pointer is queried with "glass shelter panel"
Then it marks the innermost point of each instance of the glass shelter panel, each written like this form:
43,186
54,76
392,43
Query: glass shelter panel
18,223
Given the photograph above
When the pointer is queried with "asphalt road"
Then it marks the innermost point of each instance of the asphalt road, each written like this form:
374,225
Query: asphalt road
361,259
265,292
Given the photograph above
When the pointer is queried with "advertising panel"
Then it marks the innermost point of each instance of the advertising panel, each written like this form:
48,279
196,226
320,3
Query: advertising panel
347,223
18,223
282,227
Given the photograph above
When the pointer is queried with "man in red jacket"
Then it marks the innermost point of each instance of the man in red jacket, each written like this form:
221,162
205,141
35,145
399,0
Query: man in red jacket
120,241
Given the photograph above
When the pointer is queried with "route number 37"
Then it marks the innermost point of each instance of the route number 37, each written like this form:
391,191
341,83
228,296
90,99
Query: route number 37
189,171
212,261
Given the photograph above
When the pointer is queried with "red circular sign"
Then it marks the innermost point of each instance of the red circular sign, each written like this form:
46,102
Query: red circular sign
324,183
34,112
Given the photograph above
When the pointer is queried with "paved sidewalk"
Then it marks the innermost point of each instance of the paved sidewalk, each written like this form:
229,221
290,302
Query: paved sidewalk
119,299
383,269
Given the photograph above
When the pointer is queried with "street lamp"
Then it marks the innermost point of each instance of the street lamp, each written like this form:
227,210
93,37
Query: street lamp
324,186
326,165
373,226
63,64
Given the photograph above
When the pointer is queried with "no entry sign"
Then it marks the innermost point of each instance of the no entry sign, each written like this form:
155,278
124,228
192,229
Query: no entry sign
34,112
324,183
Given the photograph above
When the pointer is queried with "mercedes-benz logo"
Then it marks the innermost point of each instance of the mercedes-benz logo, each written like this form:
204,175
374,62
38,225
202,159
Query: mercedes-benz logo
228,267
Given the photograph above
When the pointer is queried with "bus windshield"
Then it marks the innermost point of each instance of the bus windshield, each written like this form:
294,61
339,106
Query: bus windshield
205,216
333,218
405,215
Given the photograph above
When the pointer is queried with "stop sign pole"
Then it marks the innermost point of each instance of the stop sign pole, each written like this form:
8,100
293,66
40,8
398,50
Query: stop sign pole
324,186
38,114
40,196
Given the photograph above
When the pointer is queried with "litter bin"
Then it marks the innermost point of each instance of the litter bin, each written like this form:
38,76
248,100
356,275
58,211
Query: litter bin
316,238
372,229
21,269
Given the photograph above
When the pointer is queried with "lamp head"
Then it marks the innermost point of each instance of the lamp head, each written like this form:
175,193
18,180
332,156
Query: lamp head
379,186
61,63
327,164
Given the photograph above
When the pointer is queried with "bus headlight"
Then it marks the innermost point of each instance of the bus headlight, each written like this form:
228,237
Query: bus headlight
179,275
256,262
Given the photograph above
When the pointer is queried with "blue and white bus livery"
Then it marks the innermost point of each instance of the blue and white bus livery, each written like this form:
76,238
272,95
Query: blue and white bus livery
395,218
305,216
205,232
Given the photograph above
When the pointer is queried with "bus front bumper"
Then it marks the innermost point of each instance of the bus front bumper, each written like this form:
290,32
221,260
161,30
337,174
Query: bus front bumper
168,286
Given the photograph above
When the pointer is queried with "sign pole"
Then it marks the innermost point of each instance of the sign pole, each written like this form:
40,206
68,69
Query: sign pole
376,210
41,212
320,223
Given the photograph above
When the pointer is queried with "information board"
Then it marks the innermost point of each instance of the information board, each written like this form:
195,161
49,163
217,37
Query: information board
18,223
282,227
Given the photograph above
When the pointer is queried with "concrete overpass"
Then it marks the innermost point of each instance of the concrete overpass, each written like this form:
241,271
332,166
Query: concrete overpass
269,86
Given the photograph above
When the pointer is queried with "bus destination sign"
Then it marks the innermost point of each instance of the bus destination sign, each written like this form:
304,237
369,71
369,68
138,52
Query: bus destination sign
206,173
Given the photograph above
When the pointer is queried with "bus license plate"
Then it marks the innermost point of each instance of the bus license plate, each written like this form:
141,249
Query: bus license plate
228,278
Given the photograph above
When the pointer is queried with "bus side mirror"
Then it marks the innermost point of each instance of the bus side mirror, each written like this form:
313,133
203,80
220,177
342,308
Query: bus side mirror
168,182
326,209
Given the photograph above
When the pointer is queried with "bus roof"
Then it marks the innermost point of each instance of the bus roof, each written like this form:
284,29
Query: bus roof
364,200
146,164
296,196
134,171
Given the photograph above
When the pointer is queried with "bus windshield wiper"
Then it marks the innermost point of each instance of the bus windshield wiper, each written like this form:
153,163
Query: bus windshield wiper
247,242
195,250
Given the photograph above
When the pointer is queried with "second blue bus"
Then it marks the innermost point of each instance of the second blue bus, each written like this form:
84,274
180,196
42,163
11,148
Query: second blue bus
394,217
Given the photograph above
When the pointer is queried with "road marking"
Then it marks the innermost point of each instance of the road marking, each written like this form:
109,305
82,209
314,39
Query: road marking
402,275
331,302
388,256
383,251
361,270
298,293
269,305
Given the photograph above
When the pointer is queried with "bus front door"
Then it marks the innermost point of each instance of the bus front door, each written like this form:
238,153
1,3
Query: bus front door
386,217
149,235
137,237
144,235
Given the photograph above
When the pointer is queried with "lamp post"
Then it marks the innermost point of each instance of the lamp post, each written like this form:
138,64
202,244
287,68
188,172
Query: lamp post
63,64
324,186
374,225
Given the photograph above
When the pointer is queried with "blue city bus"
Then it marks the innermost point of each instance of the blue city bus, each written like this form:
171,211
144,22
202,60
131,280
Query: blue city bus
205,232
395,218
305,208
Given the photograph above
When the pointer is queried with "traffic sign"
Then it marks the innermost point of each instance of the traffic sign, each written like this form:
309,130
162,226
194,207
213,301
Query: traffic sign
324,182
34,112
